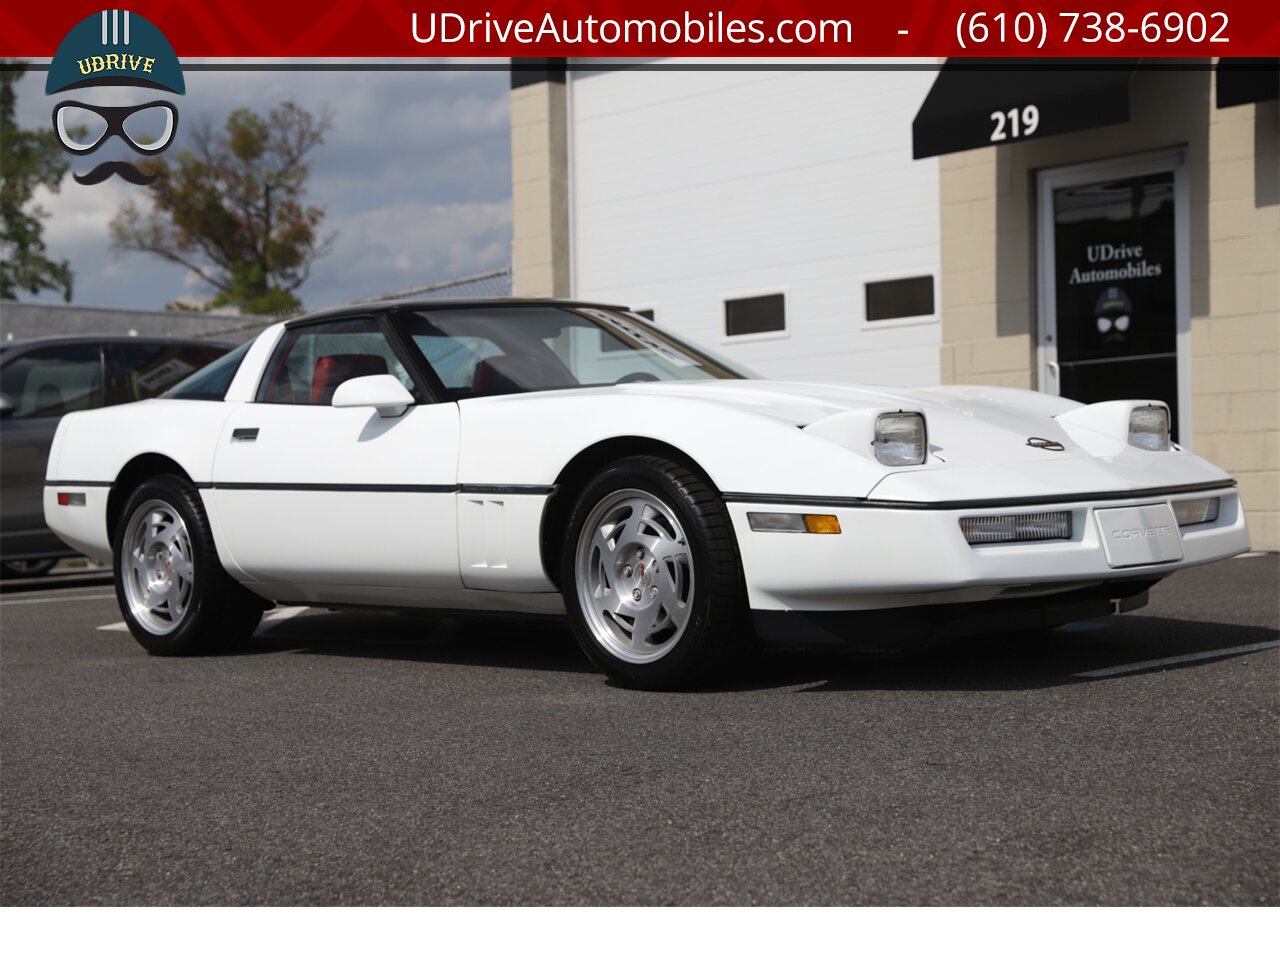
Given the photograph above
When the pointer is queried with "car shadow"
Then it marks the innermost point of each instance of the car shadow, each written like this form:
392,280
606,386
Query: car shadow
1079,653
58,580
1090,652
519,643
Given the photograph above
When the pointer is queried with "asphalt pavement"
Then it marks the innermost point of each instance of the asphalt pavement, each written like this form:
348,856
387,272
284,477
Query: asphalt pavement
389,759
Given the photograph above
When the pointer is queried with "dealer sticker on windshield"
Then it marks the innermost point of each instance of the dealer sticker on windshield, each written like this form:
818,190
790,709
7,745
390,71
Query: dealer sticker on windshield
1133,536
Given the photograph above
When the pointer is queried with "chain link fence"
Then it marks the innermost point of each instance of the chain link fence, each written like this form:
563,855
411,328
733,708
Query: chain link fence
495,283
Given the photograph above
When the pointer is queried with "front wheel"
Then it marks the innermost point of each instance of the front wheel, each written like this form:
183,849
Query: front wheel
174,594
651,576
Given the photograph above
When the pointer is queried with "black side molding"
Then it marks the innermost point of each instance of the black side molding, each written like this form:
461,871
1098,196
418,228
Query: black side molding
478,489
501,489
471,488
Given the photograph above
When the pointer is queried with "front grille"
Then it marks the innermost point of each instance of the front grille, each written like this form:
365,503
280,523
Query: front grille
1017,527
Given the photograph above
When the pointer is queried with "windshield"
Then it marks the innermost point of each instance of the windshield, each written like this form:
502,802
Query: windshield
489,351
213,381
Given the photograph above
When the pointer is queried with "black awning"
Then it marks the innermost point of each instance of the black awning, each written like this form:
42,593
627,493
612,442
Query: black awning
1243,80
958,113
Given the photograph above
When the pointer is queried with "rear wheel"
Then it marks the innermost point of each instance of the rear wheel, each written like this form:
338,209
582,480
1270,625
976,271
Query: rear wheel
174,594
651,575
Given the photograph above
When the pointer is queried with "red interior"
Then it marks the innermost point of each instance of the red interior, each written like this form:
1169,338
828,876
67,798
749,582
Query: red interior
333,370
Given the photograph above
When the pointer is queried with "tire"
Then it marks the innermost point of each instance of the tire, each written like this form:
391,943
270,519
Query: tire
651,576
16,569
176,598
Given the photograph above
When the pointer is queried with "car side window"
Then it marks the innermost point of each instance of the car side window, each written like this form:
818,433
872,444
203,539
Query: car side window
52,381
313,360
211,382
454,359
138,371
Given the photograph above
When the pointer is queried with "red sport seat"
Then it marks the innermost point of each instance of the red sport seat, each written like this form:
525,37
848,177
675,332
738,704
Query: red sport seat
501,374
334,370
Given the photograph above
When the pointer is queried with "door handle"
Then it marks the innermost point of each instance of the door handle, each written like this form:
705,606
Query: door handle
1053,368
244,434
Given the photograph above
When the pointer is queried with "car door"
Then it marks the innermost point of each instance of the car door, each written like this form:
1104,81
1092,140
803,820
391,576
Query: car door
333,499
42,384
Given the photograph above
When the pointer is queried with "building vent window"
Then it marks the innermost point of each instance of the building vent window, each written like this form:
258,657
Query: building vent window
755,315
894,299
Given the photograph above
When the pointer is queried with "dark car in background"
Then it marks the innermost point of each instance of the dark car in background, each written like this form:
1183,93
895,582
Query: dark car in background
43,379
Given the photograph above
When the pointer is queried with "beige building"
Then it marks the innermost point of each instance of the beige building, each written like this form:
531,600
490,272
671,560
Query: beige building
1222,160
1099,233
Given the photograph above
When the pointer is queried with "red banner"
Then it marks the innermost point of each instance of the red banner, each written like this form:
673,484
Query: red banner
787,29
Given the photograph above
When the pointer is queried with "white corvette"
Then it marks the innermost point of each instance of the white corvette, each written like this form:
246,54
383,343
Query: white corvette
516,455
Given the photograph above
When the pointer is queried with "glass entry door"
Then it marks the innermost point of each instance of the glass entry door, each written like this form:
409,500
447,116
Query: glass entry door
1113,283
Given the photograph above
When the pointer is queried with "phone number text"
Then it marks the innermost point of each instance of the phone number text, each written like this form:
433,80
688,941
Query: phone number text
1036,28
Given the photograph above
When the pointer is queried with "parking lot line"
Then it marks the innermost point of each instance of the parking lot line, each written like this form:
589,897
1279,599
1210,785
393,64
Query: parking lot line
1185,658
274,618
279,616
96,596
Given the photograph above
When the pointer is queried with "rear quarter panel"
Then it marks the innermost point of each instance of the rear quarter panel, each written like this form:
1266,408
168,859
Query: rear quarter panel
91,449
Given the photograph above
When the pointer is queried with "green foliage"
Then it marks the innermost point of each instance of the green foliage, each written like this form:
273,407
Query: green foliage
28,159
233,209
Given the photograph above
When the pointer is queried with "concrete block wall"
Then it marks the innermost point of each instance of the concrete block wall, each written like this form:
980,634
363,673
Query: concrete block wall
1235,364
539,191
986,310
24,321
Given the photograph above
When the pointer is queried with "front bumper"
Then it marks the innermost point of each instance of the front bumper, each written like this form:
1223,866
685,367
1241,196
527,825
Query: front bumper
892,629
903,555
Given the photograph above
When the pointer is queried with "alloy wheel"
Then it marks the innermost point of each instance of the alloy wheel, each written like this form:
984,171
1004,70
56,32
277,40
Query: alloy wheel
634,576
157,572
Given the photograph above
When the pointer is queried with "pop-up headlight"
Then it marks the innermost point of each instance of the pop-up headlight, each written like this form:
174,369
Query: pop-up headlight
900,439
1149,428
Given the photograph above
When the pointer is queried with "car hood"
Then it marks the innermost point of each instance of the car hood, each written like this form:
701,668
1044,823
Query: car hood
744,434
967,425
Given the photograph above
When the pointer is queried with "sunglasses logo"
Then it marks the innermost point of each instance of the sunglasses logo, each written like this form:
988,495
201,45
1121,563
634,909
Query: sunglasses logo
84,127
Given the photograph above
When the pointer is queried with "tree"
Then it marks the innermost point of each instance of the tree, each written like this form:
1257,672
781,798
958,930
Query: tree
233,208
28,159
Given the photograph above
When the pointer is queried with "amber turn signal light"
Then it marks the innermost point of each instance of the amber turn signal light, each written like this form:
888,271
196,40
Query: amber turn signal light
821,523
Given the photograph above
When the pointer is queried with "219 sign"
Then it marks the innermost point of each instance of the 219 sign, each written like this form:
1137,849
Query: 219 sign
1015,123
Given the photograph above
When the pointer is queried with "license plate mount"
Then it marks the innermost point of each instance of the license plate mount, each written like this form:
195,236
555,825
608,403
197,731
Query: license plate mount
1137,536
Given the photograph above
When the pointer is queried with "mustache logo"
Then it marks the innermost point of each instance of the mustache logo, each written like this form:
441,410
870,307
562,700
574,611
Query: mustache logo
121,168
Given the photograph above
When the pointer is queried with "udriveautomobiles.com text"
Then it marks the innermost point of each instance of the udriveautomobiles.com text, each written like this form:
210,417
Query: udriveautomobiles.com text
709,28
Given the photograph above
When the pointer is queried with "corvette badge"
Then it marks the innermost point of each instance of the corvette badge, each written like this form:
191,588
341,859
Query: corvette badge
1043,444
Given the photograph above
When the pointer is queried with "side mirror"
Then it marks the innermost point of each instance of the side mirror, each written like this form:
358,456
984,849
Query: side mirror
381,390
6,405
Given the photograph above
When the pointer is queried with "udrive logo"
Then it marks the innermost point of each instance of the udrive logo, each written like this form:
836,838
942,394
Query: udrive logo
115,48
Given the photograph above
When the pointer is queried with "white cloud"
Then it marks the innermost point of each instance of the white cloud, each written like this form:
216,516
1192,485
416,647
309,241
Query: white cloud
412,244
80,214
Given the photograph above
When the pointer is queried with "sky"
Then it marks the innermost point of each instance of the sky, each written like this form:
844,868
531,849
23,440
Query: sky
415,174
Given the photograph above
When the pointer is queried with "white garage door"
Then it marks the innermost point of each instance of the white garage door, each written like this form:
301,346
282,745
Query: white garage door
691,188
